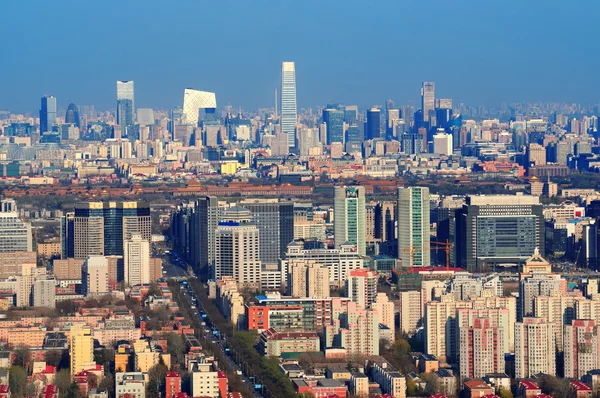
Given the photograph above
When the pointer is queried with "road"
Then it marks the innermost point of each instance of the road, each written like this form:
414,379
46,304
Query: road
218,341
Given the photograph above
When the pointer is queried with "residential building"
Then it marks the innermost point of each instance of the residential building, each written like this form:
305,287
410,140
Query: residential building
44,289
581,348
307,279
81,348
535,349
130,385
206,381
274,343
349,211
389,379
94,275
385,313
357,330
361,287
480,349
410,311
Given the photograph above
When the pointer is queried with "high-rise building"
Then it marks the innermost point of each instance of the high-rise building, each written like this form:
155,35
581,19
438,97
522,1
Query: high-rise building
275,221
498,229
334,120
349,211
440,337
125,103
94,275
237,251
373,125
72,115
385,221
536,155
47,114
101,228
289,111
81,348
361,287
427,99
410,311
358,331
44,290
538,284
479,349
535,351
385,312
200,235
413,227
137,260
308,279
15,234
581,348
442,144
196,100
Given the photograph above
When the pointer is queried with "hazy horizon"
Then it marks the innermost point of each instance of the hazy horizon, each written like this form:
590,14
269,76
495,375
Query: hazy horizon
479,53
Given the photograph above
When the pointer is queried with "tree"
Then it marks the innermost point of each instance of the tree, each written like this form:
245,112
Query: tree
22,357
411,387
504,392
108,382
62,381
53,357
175,347
17,379
433,383
401,346
66,307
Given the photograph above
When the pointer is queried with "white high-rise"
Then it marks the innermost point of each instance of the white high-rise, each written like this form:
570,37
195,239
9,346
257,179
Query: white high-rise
413,227
427,99
137,260
289,112
15,234
349,212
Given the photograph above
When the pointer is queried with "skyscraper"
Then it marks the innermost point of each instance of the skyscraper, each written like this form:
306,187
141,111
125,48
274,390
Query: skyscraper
102,228
275,221
289,112
427,99
125,103
15,234
237,248
373,129
137,260
203,222
413,227
193,101
72,115
349,212
334,119
47,113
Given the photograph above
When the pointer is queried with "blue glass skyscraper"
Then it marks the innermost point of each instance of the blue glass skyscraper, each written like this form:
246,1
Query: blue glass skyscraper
373,129
334,119
47,113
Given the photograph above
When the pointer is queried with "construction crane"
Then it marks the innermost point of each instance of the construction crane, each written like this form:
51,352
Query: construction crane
446,246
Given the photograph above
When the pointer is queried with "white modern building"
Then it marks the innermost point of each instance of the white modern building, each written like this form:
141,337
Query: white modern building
15,234
442,144
193,101
137,260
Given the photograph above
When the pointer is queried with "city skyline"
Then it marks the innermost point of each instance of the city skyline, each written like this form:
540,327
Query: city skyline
496,65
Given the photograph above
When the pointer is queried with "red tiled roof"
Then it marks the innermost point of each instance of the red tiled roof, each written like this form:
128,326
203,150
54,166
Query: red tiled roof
579,386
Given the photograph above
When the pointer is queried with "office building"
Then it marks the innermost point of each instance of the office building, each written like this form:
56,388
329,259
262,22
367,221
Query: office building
137,260
94,275
361,287
340,261
125,104
373,125
289,112
442,144
536,155
101,228
479,349
44,289
334,120
199,235
47,114
535,350
307,279
72,116
427,99
194,101
498,229
349,211
581,348
15,234
237,252
81,348
275,221
414,227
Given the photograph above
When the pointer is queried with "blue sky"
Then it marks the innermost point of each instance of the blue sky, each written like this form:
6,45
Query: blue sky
477,52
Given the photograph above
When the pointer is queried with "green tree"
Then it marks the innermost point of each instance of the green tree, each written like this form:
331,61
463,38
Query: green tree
504,392
17,379
62,381
401,346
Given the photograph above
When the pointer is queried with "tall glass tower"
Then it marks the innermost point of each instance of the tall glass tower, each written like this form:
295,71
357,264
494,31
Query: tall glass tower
428,100
413,227
72,115
334,118
349,212
125,103
47,113
289,112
